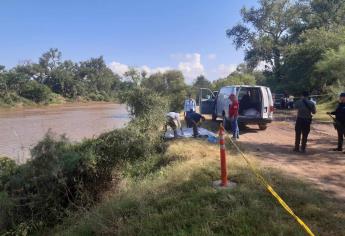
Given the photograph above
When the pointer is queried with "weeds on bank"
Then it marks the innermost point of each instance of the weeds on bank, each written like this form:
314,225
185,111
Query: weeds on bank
63,177
178,199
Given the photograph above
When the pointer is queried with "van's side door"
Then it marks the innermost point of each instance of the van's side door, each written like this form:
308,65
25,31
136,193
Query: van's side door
270,102
207,101
265,103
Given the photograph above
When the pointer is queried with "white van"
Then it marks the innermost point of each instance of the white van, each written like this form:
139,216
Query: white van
256,104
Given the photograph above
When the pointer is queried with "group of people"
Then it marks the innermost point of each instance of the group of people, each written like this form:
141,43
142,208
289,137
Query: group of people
194,119
287,101
305,110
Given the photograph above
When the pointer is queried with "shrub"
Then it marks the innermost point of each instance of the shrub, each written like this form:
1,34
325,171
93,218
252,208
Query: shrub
7,168
142,102
35,91
62,176
10,99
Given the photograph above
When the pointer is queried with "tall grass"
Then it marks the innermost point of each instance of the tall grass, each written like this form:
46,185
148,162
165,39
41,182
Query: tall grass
178,199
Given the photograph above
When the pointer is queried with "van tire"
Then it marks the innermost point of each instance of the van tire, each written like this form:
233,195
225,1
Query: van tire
262,126
214,117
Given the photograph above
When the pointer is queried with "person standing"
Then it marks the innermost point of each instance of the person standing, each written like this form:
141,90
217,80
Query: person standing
305,109
291,101
340,121
173,120
233,114
189,106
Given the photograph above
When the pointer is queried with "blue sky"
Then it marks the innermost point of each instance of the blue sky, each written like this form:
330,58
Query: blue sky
151,34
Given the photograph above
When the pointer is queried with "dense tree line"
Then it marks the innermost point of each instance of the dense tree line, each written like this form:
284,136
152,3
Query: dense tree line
297,39
42,81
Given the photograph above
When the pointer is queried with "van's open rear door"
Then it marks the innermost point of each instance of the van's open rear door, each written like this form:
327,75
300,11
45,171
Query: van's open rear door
206,101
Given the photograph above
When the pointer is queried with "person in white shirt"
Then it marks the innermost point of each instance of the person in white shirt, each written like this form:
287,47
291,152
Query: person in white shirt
189,106
173,120
290,102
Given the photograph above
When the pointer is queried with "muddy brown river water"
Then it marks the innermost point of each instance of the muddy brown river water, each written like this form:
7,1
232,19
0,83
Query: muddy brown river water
21,129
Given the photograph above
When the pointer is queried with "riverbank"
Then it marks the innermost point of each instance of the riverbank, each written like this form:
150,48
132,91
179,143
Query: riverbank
56,102
63,176
177,198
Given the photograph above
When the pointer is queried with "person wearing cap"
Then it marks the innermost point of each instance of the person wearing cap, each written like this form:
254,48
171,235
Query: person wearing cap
233,114
305,110
189,106
339,114
173,120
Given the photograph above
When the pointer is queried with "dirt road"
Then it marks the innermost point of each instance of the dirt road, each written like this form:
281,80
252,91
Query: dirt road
320,165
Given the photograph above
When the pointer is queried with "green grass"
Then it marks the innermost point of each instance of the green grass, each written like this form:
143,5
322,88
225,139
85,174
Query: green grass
178,199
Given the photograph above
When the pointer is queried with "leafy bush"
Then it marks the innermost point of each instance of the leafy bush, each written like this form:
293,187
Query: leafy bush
11,99
330,70
35,91
99,96
7,168
62,176
143,101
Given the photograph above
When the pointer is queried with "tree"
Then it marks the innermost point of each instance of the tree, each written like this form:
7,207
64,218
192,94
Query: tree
135,76
201,82
300,61
234,79
97,76
326,13
169,84
264,31
50,60
330,69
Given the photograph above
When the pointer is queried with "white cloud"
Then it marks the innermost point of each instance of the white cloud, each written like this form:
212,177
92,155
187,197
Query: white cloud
118,68
151,71
224,70
191,66
121,69
211,56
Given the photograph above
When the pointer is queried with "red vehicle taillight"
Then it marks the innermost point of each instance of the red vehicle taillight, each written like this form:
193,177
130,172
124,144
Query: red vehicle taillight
271,109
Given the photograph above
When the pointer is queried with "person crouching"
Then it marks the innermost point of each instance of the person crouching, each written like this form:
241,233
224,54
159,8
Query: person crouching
173,120
195,120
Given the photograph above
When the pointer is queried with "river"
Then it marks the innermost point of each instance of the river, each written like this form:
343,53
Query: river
21,129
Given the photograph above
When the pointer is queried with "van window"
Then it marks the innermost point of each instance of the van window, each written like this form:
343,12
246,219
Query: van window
229,90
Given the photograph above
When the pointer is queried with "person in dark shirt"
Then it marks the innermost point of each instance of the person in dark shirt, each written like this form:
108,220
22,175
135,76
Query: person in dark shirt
195,119
340,121
305,109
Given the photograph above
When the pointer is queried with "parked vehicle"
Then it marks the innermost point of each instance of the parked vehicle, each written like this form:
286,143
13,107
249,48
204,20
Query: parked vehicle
256,104
277,98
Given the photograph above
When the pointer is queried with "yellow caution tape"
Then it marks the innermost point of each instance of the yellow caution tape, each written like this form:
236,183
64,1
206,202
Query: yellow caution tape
273,192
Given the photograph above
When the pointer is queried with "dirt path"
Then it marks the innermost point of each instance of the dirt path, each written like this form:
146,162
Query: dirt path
320,165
